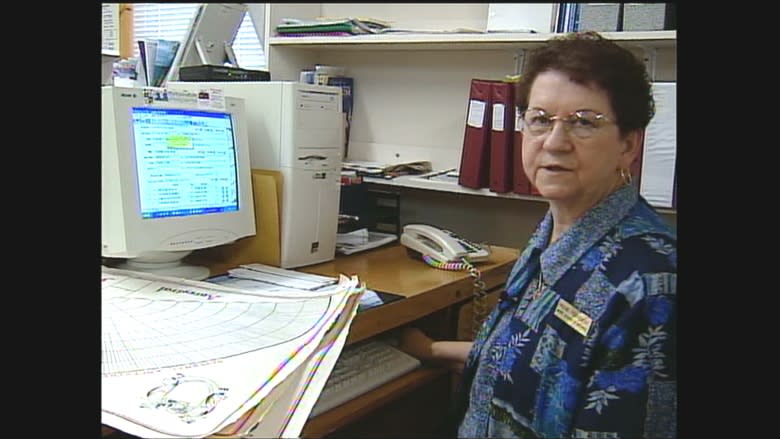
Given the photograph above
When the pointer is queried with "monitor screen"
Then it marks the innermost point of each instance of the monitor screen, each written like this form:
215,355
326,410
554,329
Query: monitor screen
185,162
175,175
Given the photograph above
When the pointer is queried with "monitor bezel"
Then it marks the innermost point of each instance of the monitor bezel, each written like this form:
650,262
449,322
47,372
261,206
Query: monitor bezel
125,233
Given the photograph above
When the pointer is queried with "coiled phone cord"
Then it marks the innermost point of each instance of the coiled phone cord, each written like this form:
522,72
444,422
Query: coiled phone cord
479,301
452,266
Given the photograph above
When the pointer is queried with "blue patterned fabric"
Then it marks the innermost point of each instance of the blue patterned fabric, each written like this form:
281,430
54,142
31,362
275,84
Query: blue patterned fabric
531,374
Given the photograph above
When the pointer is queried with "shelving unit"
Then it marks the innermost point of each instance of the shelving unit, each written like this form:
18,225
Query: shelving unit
459,41
411,92
410,103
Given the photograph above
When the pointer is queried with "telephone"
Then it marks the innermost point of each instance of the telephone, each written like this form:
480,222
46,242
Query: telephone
442,246
447,251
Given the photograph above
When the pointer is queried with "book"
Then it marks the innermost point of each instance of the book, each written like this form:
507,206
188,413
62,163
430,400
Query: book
502,132
356,26
347,85
475,156
636,166
520,183
315,34
351,26
156,60
144,76
163,60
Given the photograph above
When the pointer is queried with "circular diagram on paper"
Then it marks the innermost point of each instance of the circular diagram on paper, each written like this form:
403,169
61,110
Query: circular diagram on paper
140,334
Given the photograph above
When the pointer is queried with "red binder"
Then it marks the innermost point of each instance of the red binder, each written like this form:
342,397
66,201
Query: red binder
475,156
502,133
636,165
521,184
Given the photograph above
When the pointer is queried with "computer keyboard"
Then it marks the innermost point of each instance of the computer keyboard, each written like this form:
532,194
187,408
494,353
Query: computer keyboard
360,368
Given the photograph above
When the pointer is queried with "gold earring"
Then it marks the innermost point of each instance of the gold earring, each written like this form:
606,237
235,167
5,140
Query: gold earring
625,174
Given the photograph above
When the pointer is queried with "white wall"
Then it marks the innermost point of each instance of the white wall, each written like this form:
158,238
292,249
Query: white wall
411,105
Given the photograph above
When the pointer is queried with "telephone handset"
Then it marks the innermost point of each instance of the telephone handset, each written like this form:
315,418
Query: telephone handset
440,245
447,251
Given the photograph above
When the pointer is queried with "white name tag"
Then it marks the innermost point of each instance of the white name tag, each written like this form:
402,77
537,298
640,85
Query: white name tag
570,315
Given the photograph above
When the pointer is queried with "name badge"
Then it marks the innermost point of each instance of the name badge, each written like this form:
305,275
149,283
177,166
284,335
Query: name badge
570,315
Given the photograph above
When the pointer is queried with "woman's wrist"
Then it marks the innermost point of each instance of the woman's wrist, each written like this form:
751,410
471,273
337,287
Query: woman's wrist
450,350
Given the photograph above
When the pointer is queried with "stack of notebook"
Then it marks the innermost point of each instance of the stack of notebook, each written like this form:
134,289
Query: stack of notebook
185,358
290,27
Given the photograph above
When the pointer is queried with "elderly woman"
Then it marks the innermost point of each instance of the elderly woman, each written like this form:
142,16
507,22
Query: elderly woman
582,342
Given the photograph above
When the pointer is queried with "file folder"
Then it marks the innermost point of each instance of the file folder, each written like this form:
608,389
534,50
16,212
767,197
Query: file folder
521,185
660,148
475,156
265,246
502,136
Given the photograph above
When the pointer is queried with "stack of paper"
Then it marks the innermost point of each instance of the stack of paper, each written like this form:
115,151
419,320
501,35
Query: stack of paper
267,279
378,169
185,358
361,240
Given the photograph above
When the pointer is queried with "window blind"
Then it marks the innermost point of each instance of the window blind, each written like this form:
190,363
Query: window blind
171,21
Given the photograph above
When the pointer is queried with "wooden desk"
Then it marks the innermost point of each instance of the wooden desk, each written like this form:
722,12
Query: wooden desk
431,297
428,291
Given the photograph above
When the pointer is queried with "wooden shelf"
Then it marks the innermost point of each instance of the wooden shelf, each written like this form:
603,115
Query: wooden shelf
354,409
462,41
421,183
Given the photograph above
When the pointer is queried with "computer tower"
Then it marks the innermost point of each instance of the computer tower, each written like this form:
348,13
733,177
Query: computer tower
297,129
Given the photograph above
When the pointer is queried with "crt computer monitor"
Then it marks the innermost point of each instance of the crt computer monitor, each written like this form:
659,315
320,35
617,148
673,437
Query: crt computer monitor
175,177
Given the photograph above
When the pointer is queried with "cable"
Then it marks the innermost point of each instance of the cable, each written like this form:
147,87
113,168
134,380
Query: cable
479,299
451,266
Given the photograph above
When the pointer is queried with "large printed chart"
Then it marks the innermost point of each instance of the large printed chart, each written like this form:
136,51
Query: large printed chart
185,358
149,330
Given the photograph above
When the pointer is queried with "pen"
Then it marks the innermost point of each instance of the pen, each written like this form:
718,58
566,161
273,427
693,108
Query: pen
437,173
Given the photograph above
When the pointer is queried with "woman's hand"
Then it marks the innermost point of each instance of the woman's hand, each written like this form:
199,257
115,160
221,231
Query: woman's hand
415,343
450,354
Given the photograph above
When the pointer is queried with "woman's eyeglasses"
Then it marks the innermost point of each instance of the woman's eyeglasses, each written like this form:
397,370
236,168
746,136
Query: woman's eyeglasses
581,124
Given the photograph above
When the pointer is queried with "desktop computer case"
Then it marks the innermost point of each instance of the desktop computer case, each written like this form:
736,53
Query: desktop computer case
297,129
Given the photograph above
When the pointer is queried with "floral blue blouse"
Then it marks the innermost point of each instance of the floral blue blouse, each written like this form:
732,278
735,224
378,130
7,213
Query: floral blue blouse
587,350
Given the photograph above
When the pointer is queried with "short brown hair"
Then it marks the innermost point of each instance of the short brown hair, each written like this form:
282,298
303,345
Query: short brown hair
588,58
